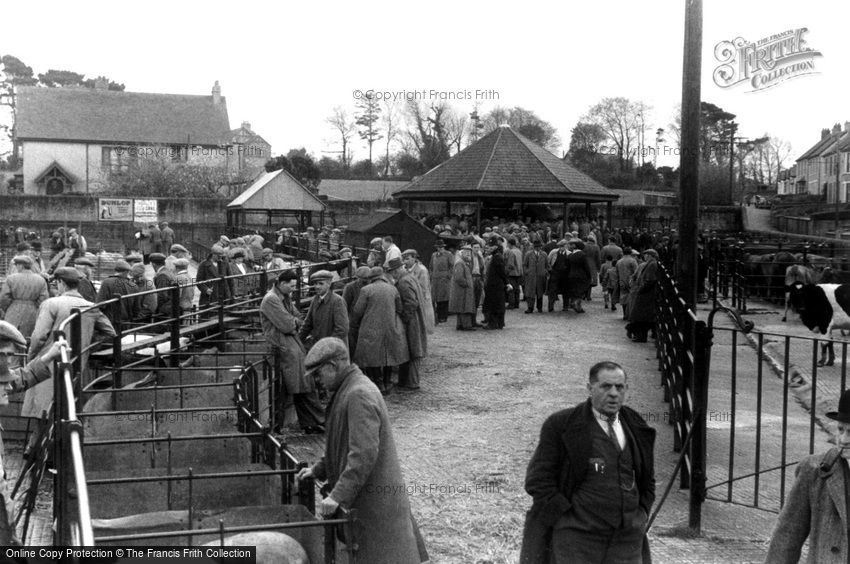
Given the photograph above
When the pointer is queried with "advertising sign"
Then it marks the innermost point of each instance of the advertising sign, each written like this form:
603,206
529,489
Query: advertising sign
115,209
145,211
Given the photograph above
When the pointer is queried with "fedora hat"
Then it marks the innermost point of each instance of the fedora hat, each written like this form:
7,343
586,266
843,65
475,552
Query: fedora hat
843,413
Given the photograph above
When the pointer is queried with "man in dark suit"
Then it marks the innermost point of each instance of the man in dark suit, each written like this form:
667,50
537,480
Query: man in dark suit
212,292
163,278
592,479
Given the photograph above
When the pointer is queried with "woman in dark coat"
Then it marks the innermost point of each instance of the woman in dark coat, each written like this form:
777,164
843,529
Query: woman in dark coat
642,309
495,289
578,275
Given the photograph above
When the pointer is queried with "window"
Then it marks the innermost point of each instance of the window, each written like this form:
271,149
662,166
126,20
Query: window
847,161
118,159
846,192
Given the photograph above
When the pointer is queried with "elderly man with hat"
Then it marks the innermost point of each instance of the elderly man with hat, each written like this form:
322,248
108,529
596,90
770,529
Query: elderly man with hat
535,266
642,309
496,286
462,290
177,251
350,295
147,302
22,293
376,253
360,462
187,289
116,286
414,323
87,290
271,262
162,279
816,507
441,268
410,258
327,315
578,276
377,329
626,268
213,291
16,380
281,324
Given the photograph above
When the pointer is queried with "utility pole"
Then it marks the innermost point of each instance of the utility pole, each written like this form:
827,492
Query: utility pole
733,127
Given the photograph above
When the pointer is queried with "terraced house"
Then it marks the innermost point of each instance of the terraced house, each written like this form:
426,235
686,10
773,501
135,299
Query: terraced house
74,140
826,165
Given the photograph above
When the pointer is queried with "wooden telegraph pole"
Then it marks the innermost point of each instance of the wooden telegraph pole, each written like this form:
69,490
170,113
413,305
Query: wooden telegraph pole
686,261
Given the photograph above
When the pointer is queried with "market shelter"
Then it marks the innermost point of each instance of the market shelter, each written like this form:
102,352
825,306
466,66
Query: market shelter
504,168
276,199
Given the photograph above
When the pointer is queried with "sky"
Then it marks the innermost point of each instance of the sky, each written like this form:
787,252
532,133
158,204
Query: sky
283,67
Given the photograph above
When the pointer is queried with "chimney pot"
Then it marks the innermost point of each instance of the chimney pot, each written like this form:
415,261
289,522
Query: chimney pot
216,93
824,133
246,125
836,128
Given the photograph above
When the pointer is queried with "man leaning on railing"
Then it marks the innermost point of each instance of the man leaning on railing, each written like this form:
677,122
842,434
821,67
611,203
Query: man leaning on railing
17,380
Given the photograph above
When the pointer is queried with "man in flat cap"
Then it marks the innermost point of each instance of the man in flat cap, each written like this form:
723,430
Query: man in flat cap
212,291
184,280
167,237
376,253
462,290
642,308
281,324
177,251
16,380
22,293
414,323
86,288
410,258
626,268
147,302
271,262
115,286
351,293
361,463
327,315
440,267
163,278
816,507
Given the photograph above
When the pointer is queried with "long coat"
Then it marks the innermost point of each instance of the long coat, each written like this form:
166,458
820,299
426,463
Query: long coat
593,261
22,294
326,317
535,266
815,508
421,274
412,315
280,323
362,469
208,270
376,321
113,287
441,275
642,308
164,278
578,275
559,466
462,291
187,291
494,285
626,267
167,239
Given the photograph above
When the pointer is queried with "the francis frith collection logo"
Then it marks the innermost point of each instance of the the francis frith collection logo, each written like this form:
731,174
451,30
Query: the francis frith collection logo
766,62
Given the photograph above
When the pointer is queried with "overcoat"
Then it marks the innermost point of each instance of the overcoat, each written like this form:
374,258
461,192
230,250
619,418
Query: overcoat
462,292
441,275
167,239
626,266
535,266
208,270
145,244
815,508
362,470
22,294
495,282
326,317
187,291
421,274
156,239
578,276
113,287
594,261
376,321
412,315
164,279
642,308
560,464
280,323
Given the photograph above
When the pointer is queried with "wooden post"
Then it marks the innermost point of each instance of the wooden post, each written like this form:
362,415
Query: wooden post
478,215
448,208
587,211
564,224
609,213
686,261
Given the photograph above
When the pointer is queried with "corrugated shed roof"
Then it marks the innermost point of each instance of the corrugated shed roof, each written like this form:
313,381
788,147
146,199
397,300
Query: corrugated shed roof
277,190
359,190
85,114
506,163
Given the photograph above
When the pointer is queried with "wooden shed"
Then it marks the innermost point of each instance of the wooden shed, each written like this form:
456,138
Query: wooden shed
406,232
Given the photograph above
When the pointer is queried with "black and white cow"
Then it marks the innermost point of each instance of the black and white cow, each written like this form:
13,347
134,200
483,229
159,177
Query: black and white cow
822,308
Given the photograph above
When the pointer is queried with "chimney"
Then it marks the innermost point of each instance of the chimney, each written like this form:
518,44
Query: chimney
246,125
847,126
824,133
216,94
101,83
836,128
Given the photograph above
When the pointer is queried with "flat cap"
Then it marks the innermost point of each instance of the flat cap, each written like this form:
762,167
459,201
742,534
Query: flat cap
217,250
178,248
410,253
268,251
9,332
345,250
137,270
562,242
133,257
122,266
25,260
287,275
85,261
36,245
395,263
363,272
440,243
237,253
376,272
181,263
321,275
325,350
651,252
224,239
67,273
158,258
375,241
23,246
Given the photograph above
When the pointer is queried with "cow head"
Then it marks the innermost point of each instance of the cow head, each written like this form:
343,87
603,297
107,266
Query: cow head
811,302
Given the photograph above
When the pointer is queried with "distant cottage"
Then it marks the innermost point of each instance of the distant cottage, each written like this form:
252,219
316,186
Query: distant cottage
72,139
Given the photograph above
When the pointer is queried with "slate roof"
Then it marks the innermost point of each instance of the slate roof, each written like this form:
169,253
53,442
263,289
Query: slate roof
818,147
506,164
342,190
106,116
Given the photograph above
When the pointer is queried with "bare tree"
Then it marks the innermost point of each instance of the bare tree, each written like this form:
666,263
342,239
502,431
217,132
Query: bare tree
619,119
427,132
391,122
346,127
456,128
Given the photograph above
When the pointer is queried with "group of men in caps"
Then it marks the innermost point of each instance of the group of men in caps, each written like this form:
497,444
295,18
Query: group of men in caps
155,238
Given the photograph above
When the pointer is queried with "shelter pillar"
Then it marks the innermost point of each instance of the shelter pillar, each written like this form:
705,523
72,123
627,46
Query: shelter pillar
564,223
478,215
587,210
609,213
448,208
